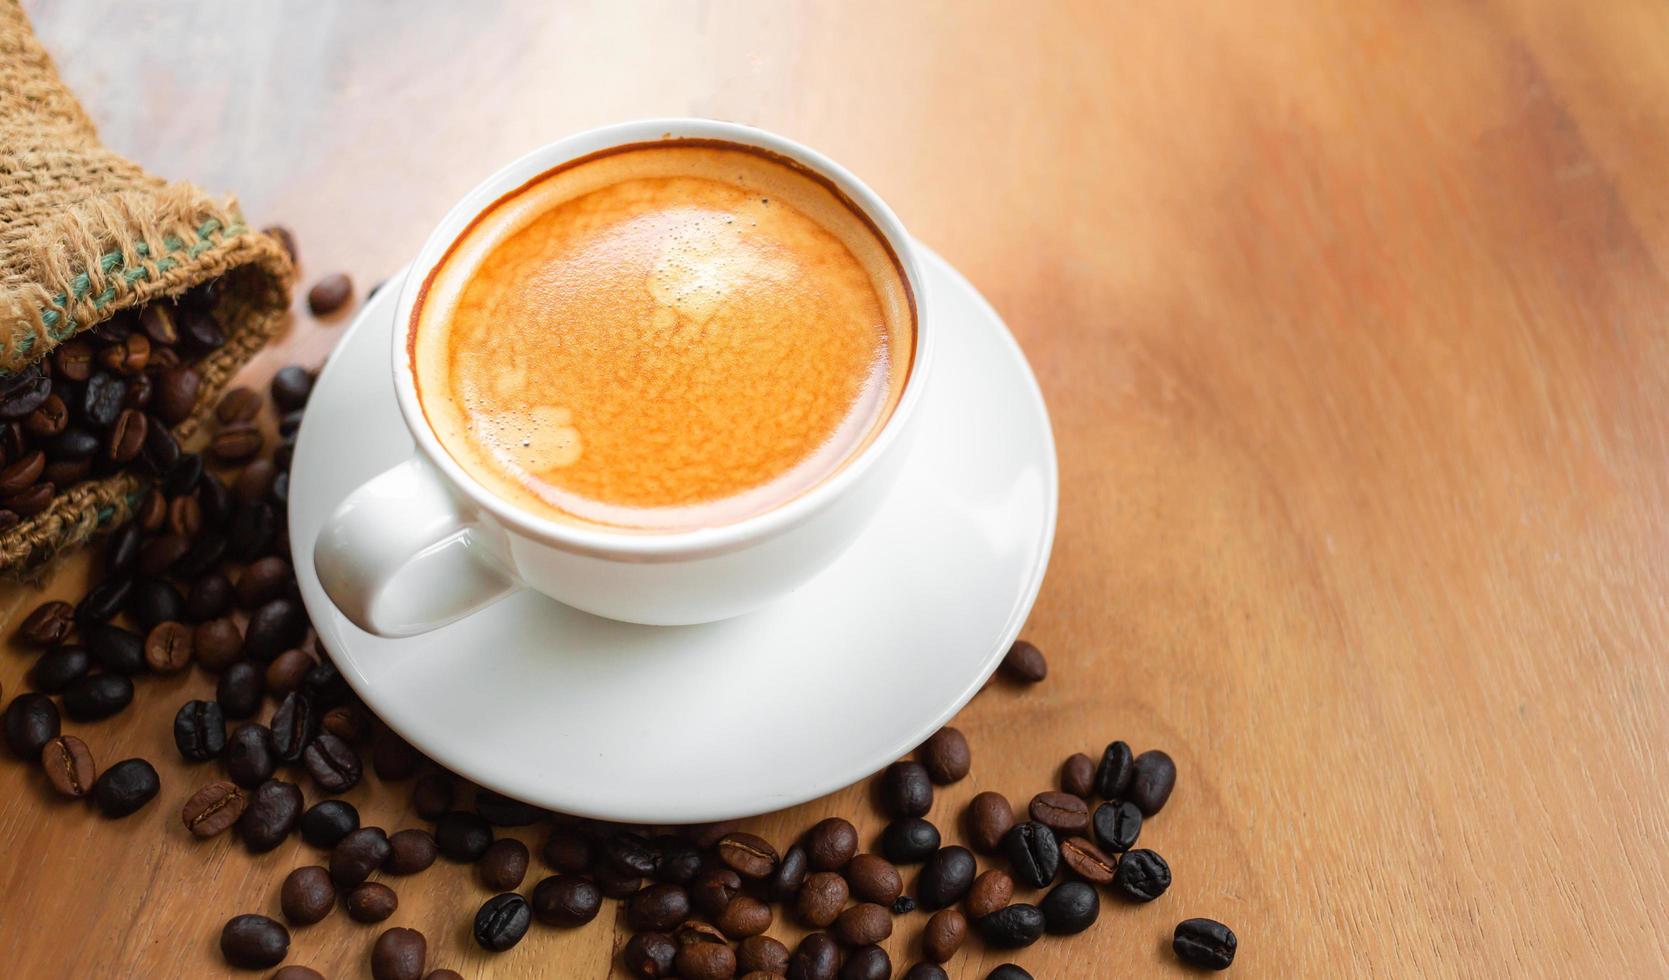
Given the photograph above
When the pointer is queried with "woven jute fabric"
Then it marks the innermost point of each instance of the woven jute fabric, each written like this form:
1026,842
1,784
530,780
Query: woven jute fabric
85,233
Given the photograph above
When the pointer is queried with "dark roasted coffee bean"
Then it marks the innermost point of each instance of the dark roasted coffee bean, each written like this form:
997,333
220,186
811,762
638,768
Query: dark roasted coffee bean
284,455
567,849
255,482
210,596
60,667
821,898
658,908
874,879
371,901
24,392
1152,777
277,625
945,755
867,963
176,394
22,474
504,864
909,840
1205,943
1112,776
906,790
630,853
215,501
293,726
14,443
160,554
1117,825
235,443
990,892
761,954
152,601
254,942
74,443
924,971
116,649
703,953
679,860
392,757
410,851
328,689
1008,971
168,648
183,479
566,900
358,854
328,821
713,888
1033,853
161,452
31,721
903,905
97,696
463,836
863,924
217,644
431,796
745,916
789,875
1025,663
1010,928
200,731
614,884
290,388
1061,812
251,530
285,674
103,601
1078,775
274,810
213,809
49,419
49,624
239,690
816,958
332,763
250,759
747,855
102,400
1087,861
1069,908
502,922
68,765
126,437
157,320
650,955
307,895
185,516
399,954
830,843
328,295
141,389
352,724
73,360
946,877
65,473
502,811
239,404
1142,876
31,501
290,423
204,553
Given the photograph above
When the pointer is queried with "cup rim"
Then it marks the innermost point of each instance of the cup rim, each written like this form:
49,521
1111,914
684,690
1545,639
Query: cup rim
649,545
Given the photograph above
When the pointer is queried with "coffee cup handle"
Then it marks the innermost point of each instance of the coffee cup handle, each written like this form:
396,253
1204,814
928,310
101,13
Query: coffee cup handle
398,558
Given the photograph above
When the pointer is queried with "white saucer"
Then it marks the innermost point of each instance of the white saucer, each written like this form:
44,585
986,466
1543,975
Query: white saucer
665,725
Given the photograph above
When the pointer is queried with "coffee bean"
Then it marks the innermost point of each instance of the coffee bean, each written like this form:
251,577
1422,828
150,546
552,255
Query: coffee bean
1087,861
358,854
274,810
74,443
650,955
73,360
906,790
210,596
945,755
1142,876
1060,812
290,387
410,851
168,647
1008,971
250,533
161,451
102,400
816,958
703,953
263,580
256,480
351,723
1025,663
1112,776
614,884
60,667
1205,943
909,840
62,473
443,975
307,896
630,853
128,356
31,721
1013,927
51,418
990,892
830,843
126,437
1070,908
504,864
31,501
23,394
762,954
707,835
392,757
204,554
432,796
1117,825
903,905
141,389
217,644
213,809
747,855
250,758
22,474
97,696
239,690
199,731
784,883
502,922
103,601
989,818
157,320
152,601
215,501
332,763
874,879
1033,853
294,972
116,649
566,900
48,624
371,901
680,861
254,942
946,877
293,726
183,480
743,917
658,908
185,515
161,554
1152,777
502,811
176,394
1078,775
463,836
284,675
821,898
328,821
399,954
238,404
68,765
329,294
926,971
712,889
946,930
276,626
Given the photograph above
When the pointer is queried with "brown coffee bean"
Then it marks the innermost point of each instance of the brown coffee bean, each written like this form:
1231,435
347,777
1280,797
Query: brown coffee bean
1078,775
762,954
710,890
51,418
214,808
140,390
352,724
650,955
831,843
944,935
1060,812
703,953
658,908
185,514
157,321
168,647
874,879
504,865
239,404
217,643
153,510
287,240
31,501
22,474
162,359
160,553
290,388
254,942
66,472
294,972
73,360
410,851
307,896
264,580
821,898
255,482
744,917
747,855
329,294
176,394
816,958
991,891
399,954
235,443
1025,663
946,756
863,924
48,625
392,757
706,835
128,356
68,765
443,974
989,817
357,854
371,901
287,670
1088,861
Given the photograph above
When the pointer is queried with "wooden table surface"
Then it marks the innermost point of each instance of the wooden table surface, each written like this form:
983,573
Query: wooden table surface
1352,319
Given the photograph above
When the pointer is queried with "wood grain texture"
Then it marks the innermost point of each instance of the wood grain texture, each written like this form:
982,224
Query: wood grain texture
1352,319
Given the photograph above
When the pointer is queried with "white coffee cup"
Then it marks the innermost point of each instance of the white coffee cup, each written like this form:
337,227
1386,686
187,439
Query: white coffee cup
423,544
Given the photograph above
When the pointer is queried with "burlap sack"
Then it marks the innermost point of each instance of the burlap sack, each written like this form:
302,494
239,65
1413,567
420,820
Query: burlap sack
85,233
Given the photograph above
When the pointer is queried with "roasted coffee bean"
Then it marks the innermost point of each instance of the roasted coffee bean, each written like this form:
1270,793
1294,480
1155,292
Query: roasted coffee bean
392,757
102,400
349,722
182,482
789,875
1010,928
358,854
284,455
410,851
658,908
160,554
371,901
250,758
830,843
1008,971
51,418
432,796
816,958
239,404
567,849
502,811
867,963
239,690
614,884
1033,853
277,625
274,810
307,895
103,601
215,501
128,356
650,955
821,898
64,473
566,900
31,721
990,892
68,765
204,554
863,924
185,515
1117,825
141,389
703,953
906,790
263,580
1078,775
22,474
255,482
1069,908
1061,812
74,444
152,601
31,501
630,853
909,840
24,392
217,644
210,596
504,864
235,443
1142,876
946,877
747,855
1087,861
1112,776
1025,663
126,437
874,879
49,624
743,917
176,394
254,942
250,533
945,755
161,452
290,388
73,360
328,821
463,836
946,930
680,861
157,320
60,667
713,888
332,763
903,905
1205,943
200,731
762,954
922,971
399,954
284,675
116,649
290,423
293,726
328,295
1152,777
97,696
213,809
168,647
502,922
